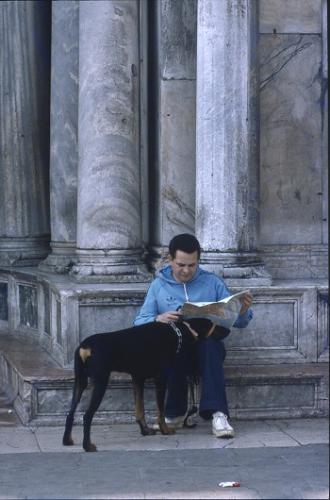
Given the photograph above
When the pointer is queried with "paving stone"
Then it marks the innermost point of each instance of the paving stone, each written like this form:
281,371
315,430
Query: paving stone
129,465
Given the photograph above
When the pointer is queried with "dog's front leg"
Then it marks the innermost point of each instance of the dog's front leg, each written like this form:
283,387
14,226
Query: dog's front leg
160,384
138,387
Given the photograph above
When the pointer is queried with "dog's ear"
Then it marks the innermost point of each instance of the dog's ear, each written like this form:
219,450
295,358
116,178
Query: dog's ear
201,325
220,332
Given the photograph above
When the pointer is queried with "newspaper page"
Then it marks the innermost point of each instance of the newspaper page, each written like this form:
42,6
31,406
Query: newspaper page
223,313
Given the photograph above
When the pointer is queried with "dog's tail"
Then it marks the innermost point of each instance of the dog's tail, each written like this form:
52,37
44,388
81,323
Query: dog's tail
80,371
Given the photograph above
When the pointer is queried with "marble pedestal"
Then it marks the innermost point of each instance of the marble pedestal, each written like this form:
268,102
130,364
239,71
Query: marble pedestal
277,366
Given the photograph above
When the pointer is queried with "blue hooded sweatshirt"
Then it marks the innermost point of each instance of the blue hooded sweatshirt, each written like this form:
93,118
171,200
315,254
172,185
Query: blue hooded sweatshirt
167,294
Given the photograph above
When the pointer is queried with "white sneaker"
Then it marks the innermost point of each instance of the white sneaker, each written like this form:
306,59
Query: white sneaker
221,426
175,422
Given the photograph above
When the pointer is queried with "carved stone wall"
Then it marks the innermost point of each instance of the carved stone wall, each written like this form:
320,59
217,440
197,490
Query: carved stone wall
293,168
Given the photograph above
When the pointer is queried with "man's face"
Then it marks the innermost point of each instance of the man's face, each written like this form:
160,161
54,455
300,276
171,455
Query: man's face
184,265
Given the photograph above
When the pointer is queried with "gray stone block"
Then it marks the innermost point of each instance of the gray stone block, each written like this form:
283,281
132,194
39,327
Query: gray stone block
28,306
3,301
296,261
178,22
274,397
323,325
103,318
280,331
290,139
290,16
176,192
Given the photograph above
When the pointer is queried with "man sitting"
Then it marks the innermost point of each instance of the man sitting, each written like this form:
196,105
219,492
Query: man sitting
180,281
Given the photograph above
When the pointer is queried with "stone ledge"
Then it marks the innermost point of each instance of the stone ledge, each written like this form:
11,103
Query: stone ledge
62,313
41,390
278,391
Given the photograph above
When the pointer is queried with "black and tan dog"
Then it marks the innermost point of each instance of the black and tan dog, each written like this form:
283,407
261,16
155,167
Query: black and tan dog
143,352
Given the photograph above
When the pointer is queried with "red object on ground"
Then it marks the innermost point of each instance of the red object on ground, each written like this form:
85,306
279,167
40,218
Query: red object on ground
230,484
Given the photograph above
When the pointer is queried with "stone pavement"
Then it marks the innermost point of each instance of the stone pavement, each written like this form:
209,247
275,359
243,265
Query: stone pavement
270,459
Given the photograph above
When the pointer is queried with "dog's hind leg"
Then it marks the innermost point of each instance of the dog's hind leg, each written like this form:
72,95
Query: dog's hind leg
98,391
80,384
138,387
160,383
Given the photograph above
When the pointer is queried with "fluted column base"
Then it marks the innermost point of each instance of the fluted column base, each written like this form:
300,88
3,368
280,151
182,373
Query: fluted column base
23,251
237,268
108,266
61,259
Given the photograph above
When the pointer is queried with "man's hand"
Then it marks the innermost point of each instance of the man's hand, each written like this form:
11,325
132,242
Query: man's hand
169,316
246,301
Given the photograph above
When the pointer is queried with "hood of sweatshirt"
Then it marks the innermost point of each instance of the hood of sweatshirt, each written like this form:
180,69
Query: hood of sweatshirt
166,274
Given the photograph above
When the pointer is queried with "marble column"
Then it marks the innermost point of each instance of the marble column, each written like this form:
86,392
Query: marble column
64,134
109,239
227,139
24,136
172,113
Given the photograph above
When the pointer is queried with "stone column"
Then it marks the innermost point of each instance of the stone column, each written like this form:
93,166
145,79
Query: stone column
172,112
109,241
64,134
227,139
24,136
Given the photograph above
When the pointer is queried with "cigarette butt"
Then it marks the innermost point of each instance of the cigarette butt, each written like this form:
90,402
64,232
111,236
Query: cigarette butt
230,484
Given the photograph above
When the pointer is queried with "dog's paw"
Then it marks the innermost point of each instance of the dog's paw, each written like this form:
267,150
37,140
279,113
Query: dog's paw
68,441
164,429
90,447
148,431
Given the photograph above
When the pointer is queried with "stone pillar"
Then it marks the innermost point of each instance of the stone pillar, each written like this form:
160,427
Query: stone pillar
109,240
24,136
227,139
64,134
172,112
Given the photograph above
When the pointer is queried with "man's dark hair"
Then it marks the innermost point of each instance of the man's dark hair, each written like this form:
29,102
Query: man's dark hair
186,243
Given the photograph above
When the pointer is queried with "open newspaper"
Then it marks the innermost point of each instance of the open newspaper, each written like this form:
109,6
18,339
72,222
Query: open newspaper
223,313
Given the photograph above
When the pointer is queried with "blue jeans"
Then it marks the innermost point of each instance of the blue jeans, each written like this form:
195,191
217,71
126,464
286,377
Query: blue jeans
211,355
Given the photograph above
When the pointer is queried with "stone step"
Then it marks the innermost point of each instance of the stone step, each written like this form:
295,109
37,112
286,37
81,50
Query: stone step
41,390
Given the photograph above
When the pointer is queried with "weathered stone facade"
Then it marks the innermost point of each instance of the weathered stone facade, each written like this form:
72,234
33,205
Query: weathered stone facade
127,122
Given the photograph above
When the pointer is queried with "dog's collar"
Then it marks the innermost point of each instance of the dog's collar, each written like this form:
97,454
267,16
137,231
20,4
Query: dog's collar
195,334
179,335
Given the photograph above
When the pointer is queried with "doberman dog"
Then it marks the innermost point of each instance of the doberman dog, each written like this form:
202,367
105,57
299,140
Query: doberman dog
144,352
